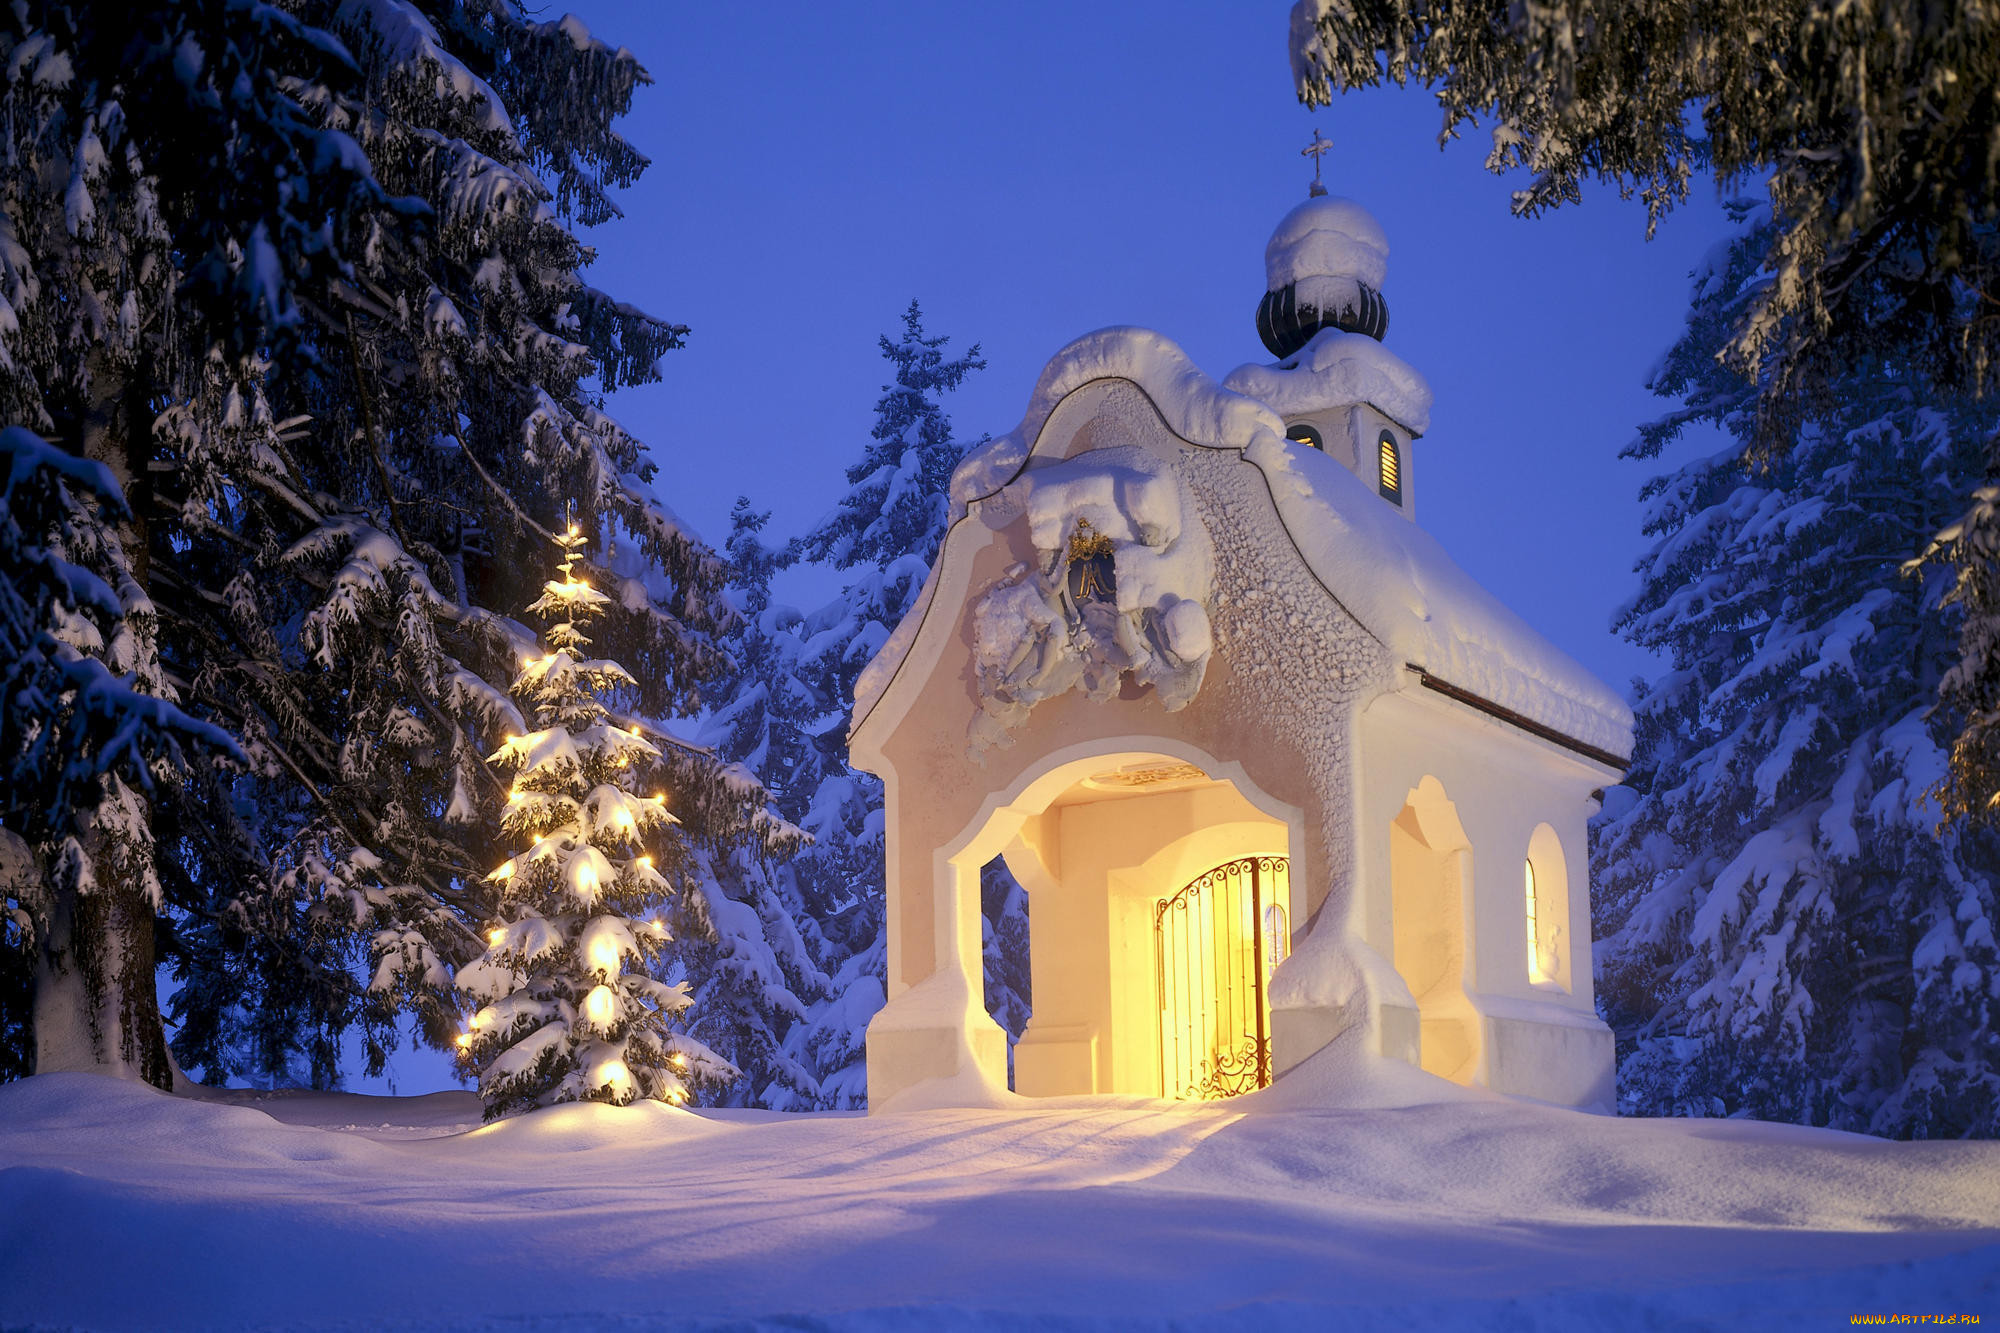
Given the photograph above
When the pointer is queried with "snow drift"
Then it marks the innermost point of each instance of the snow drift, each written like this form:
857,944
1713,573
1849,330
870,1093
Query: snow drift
123,1208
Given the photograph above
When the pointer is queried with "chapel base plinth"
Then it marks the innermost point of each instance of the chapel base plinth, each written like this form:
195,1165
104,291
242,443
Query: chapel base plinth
910,1042
1549,1052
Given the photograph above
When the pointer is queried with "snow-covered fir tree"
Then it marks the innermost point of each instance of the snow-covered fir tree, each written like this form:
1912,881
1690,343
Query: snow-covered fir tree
1785,930
884,534
334,242
899,489
568,1004
453,402
84,730
756,967
140,232
1969,549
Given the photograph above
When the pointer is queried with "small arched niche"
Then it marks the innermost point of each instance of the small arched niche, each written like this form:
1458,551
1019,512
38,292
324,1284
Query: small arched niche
1430,866
1546,942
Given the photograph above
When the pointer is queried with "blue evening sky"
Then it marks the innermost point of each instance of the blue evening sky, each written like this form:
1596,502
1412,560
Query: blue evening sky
1031,171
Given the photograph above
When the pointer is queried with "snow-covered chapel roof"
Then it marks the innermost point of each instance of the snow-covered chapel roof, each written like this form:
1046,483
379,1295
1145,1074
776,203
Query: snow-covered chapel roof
1400,584
1391,575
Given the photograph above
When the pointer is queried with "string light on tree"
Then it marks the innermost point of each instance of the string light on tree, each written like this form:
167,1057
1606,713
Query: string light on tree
566,1003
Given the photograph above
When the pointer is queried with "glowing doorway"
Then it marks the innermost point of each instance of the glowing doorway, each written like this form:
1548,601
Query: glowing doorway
1215,944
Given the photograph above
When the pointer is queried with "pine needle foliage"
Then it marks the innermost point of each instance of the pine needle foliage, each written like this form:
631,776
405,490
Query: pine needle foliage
568,1003
1785,930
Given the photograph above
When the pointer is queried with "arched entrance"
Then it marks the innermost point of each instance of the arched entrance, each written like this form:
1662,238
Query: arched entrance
1160,901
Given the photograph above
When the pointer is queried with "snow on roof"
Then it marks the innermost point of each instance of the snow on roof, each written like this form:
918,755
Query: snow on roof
1327,237
1389,573
1397,581
1122,497
1334,369
1194,406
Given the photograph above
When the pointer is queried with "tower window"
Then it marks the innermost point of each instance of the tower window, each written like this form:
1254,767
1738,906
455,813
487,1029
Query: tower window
1306,434
1392,469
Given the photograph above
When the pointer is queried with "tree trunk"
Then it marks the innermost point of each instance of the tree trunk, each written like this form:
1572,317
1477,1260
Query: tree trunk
97,1004
97,1007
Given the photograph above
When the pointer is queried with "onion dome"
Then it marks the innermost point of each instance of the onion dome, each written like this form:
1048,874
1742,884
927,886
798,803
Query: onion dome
1324,269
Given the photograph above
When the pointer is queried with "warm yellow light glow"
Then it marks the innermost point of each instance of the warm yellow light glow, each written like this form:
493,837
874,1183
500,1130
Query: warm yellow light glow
600,1005
505,870
496,937
604,955
678,1060
676,1096
1391,469
514,796
624,817
1534,935
646,861
659,798
513,740
613,1071
464,1040
572,529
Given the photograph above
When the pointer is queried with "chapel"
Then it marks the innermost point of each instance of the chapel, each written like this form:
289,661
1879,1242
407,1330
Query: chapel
1271,767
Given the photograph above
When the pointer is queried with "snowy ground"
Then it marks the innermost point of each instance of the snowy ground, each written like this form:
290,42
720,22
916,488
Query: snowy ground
122,1208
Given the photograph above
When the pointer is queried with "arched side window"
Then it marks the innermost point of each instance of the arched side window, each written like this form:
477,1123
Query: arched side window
1391,468
1545,877
1304,432
1534,930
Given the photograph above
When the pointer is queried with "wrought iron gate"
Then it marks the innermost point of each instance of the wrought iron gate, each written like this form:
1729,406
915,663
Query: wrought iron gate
1214,944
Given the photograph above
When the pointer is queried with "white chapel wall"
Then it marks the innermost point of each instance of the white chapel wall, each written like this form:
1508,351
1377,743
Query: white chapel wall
1511,793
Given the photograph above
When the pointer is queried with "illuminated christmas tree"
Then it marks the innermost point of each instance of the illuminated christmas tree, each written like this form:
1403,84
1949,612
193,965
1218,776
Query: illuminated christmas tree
570,1008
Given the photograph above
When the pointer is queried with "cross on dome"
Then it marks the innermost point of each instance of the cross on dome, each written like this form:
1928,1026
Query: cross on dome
1316,150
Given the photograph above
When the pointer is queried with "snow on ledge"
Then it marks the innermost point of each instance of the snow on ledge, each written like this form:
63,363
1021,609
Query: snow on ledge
1336,369
1194,406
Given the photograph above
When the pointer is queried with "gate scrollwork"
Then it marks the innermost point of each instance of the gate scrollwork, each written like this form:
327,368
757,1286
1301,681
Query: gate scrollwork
1212,959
